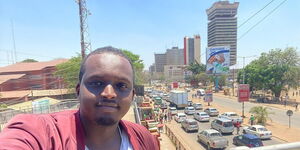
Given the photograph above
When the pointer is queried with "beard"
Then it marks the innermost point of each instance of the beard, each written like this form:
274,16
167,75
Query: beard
106,121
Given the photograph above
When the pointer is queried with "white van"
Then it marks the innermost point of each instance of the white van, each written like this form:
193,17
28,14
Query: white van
223,125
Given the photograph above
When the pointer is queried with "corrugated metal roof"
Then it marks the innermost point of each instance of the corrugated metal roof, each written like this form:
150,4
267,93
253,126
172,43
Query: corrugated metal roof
21,67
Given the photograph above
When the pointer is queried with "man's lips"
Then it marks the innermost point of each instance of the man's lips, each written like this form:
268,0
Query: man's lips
109,105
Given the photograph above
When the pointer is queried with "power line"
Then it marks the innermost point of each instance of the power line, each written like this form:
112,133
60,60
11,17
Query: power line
256,13
262,19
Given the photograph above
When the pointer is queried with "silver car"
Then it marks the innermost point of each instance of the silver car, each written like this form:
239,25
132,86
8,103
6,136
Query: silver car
201,116
234,117
223,125
212,138
197,106
189,110
212,111
189,125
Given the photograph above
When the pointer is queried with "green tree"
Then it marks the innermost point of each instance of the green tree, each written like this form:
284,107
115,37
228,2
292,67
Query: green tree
273,71
69,70
29,60
196,68
261,114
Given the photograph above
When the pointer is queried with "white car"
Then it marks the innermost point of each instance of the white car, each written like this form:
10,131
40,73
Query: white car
213,139
189,110
179,117
173,110
212,111
259,131
198,106
201,116
234,117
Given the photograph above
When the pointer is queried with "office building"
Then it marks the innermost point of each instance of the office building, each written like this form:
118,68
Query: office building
160,61
192,50
222,26
174,56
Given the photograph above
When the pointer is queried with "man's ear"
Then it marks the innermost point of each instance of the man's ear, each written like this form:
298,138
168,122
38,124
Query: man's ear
77,89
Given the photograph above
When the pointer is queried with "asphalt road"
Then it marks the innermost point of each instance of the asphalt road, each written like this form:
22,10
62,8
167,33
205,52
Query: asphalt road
279,115
191,138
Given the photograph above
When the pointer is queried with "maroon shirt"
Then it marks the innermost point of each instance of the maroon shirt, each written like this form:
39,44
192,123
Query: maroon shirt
62,131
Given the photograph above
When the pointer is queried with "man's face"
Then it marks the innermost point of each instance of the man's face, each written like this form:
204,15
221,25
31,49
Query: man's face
106,89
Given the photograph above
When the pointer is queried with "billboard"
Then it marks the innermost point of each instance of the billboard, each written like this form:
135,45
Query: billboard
217,60
208,96
244,93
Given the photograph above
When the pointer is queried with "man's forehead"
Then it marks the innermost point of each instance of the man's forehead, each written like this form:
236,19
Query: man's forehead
108,62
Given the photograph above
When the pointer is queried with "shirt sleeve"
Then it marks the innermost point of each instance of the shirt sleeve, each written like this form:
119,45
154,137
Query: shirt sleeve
25,132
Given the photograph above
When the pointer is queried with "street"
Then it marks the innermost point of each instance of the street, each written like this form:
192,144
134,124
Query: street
191,138
279,115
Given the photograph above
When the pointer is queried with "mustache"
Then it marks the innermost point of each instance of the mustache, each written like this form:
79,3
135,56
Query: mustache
107,102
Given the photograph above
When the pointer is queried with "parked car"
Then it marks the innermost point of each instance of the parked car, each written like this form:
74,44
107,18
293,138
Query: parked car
189,110
249,140
211,111
163,106
173,110
190,125
200,92
212,139
234,117
222,125
201,116
259,131
198,106
179,117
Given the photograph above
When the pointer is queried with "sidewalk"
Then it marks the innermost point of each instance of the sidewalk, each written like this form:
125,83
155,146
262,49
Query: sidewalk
165,142
279,131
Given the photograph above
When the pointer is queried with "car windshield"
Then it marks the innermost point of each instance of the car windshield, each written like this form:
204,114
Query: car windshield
182,115
203,115
191,108
215,134
233,115
228,124
213,109
193,123
262,129
172,108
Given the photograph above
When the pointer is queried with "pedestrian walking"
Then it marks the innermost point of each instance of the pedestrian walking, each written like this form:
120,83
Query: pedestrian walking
252,120
296,107
238,125
166,117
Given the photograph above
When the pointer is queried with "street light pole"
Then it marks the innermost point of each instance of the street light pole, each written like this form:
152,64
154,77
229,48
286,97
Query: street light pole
243,112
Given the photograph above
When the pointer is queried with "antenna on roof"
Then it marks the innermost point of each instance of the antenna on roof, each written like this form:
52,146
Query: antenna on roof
14,53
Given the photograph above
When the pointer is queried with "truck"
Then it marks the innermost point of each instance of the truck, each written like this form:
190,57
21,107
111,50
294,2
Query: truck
179,99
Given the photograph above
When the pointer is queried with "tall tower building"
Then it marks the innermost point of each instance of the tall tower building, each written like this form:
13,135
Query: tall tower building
192,50
160,62
222,26
174,56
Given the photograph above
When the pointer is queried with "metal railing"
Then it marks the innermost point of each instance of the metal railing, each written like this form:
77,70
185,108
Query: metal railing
287,146
179,144
5,116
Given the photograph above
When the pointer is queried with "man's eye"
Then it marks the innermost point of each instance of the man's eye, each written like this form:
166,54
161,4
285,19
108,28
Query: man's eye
95,83
122,86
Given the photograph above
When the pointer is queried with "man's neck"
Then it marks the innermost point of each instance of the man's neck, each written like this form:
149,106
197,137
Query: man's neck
102,137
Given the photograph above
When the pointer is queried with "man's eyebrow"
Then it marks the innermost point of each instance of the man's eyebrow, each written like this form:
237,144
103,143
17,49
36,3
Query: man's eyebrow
103,77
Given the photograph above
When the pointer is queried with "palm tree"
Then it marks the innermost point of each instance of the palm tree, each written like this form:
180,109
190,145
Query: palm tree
261,114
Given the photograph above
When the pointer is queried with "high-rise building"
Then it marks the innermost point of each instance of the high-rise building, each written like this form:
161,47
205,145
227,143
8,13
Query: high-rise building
160,61
192,49
174,56
222,26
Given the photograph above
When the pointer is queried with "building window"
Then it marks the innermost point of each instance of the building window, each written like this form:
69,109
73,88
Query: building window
35,77
36,87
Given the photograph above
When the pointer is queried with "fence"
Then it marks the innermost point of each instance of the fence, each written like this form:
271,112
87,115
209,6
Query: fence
5,116
177,142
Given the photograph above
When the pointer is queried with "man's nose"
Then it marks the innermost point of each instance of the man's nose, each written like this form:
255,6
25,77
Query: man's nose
109,92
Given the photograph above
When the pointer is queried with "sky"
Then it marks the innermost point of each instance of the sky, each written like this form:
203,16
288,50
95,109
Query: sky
49,29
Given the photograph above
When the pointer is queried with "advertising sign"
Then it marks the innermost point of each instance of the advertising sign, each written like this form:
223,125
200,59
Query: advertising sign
175,84
217,60
208,96
244,92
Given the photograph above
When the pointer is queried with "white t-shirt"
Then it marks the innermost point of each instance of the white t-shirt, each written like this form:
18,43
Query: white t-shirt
125,143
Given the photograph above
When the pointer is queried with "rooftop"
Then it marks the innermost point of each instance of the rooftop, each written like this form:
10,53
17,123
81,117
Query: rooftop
22,67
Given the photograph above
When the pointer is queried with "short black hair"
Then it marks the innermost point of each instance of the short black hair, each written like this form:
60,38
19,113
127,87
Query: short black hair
105,50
